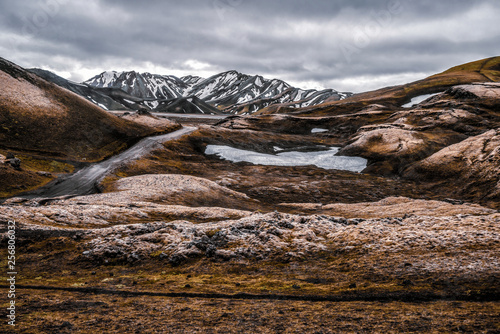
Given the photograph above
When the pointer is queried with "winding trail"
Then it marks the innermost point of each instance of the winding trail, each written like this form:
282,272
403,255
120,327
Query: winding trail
85,181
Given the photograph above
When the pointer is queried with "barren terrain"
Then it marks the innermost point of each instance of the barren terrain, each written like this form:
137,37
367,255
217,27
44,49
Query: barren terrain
179,241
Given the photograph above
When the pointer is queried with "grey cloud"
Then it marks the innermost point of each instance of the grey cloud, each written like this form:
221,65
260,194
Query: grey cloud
297,40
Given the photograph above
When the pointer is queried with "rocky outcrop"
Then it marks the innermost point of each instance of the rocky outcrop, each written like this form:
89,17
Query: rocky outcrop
13,161
466,109
394,207
291,238
485,94
471,166
410,135
388,147
288,238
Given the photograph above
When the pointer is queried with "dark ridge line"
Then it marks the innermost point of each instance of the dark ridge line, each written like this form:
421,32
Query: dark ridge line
373,297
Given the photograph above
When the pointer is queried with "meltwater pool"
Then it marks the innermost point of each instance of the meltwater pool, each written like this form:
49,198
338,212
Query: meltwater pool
323,159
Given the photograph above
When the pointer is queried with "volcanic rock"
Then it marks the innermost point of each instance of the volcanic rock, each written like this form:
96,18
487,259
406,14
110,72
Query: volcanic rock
15,162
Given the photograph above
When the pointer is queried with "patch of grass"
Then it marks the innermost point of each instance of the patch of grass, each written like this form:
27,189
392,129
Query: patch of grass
211,233
42,164
13,182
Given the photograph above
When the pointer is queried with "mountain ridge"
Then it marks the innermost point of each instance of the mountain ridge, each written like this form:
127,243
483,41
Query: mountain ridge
229,91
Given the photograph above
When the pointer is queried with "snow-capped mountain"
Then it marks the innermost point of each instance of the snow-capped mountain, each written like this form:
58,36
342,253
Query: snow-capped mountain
151,91
186,105
192,80
230,88
240,93
228,92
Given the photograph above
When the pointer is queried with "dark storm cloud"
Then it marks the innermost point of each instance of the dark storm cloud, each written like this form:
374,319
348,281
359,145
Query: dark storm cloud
345,44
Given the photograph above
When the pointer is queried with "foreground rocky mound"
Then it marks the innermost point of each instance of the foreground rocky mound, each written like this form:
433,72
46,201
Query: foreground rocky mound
133,241
422,227
290,238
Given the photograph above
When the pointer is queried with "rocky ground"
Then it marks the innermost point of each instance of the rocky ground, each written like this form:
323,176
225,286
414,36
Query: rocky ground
194,243
150,249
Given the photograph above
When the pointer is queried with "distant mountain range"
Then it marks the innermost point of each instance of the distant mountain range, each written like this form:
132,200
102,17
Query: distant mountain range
227,92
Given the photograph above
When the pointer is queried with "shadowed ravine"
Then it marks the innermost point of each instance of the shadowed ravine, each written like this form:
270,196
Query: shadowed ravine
84,181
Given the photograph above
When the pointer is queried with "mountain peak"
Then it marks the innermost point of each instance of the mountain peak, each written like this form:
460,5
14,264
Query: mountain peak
230,72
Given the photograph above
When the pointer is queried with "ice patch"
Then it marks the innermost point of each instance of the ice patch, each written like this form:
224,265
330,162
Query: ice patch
258,82
318,130
322,159
416,100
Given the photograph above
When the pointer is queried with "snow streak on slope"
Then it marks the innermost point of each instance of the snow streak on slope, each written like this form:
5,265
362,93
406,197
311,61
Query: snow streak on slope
192,80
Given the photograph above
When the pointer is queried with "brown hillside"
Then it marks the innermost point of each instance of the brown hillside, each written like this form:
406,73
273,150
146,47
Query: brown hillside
47,127
38,116
485,70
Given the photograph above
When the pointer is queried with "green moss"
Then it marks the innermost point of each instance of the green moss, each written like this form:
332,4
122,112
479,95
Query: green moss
156,253
211,233
46,165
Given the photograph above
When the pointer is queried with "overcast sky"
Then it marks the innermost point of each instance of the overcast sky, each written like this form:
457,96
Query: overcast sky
348,45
